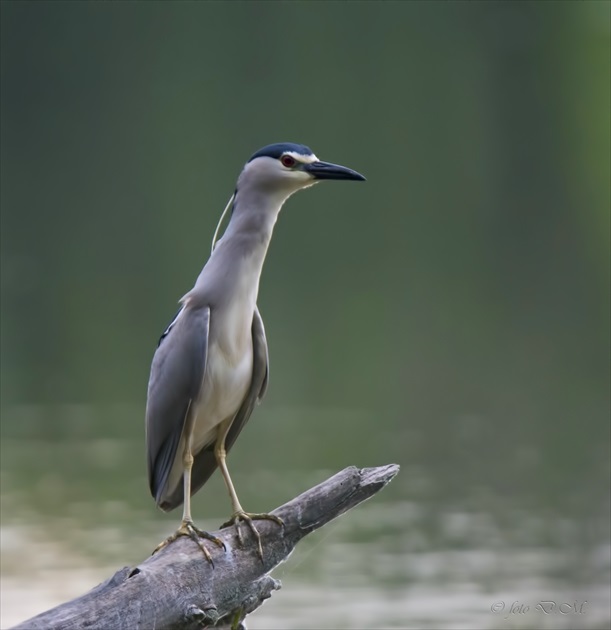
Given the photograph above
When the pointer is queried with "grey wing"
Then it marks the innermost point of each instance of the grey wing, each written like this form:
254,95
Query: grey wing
205,461
259,338
176,377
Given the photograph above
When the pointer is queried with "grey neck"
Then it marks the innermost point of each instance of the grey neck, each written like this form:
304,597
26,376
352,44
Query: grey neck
253,217
235,265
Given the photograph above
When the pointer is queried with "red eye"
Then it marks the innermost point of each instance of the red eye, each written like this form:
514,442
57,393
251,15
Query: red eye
288,161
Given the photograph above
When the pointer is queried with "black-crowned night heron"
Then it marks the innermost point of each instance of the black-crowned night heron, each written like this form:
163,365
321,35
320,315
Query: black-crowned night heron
211,364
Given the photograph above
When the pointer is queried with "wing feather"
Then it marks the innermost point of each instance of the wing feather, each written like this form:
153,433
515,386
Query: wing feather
205,462
176,378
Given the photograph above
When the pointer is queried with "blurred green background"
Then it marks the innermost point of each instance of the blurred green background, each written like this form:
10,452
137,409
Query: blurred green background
451,314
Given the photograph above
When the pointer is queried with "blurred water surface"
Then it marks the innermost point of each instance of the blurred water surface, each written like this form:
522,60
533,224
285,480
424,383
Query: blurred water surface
451,314
416,556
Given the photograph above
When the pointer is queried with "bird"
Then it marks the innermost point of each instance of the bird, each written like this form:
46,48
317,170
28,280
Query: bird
211,365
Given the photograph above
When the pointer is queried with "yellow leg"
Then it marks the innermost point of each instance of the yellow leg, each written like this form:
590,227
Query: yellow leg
187,462
238,512
187,527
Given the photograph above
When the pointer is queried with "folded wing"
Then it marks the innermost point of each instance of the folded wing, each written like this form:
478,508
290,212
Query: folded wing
205,462
176,378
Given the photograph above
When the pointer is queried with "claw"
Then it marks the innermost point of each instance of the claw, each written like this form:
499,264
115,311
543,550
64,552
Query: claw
248,518
187,528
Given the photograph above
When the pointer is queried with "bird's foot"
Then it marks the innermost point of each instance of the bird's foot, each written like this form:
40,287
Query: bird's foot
248,518
187,528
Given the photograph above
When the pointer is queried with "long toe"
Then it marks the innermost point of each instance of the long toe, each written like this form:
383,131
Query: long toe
248,518
202,534
188,529
252,516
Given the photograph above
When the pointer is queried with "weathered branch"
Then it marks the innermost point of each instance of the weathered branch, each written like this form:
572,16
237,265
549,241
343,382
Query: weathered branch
176,588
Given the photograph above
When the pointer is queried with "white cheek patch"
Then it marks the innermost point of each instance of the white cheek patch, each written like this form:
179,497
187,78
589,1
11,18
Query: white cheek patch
304,159
299,176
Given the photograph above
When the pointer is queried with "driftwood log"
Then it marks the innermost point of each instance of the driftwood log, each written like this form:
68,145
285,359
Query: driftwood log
176,588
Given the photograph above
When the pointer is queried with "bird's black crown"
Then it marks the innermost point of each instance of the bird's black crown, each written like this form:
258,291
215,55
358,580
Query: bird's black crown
276,150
